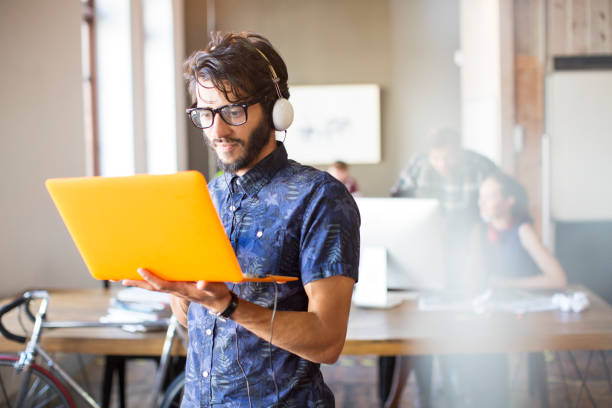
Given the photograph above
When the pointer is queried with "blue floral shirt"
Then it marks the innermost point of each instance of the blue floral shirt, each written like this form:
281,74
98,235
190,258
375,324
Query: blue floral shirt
282,218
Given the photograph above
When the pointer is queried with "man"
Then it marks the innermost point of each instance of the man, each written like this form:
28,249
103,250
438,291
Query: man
282,218
447,172
340,170
452,175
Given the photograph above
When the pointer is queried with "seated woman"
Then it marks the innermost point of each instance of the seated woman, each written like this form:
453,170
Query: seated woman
508,251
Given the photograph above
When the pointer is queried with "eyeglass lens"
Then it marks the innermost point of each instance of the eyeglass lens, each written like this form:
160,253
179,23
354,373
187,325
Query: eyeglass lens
231,114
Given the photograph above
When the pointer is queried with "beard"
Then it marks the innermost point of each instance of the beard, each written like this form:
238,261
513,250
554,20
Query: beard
256,141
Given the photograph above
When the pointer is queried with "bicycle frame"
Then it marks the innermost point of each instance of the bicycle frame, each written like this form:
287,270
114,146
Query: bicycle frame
174,327
33,349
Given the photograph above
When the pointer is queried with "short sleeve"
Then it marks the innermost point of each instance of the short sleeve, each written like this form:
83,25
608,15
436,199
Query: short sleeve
330,234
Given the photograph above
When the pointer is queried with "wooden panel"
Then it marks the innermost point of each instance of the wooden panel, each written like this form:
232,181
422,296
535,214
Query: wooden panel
528,91
557,27
579,27
529,114
507,119
600,26
526,27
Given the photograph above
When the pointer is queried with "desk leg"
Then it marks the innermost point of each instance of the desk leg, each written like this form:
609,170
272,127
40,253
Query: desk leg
107,382
386,366
113,364
400,377
393,375
606,369
583,378
538,377
121,375
568,399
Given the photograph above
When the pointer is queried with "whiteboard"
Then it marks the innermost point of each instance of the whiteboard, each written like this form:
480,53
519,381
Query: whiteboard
579,123
335,122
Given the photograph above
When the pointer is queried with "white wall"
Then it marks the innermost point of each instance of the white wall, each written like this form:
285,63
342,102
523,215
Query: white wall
579,124
41,122
406,47
487,77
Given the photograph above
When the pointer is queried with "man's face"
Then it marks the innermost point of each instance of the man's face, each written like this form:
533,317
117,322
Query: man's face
238,148
443,160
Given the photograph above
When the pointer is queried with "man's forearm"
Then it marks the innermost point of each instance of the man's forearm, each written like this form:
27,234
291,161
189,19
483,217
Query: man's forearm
318,334
301,333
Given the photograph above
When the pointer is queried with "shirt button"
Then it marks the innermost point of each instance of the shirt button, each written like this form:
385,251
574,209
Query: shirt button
205,374
232,208
208,332
238,182
259,234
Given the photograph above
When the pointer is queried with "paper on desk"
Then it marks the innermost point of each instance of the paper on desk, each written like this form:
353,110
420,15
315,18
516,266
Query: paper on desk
142,296
576,301
508,300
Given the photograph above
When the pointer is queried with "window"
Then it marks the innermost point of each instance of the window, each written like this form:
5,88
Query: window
159,87
134,127
88,63
115,88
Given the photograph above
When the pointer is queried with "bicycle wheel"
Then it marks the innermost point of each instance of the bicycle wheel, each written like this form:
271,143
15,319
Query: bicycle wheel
44,390
174,392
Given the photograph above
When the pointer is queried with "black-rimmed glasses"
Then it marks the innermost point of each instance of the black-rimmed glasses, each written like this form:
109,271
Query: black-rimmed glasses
234,114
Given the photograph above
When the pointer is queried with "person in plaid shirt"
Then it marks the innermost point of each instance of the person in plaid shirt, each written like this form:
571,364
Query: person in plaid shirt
447,172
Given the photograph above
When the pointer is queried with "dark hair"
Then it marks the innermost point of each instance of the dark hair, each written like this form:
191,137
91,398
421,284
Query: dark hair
234,65
340,165
512,188
444,137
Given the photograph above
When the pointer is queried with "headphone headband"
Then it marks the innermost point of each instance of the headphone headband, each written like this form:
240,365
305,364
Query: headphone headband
275,77
282,111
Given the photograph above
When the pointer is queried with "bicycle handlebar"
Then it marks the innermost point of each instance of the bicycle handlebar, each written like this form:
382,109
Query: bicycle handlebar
26,298
7,308
31,295
28,311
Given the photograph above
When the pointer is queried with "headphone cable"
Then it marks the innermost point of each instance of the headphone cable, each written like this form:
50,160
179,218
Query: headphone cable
270,342
238,356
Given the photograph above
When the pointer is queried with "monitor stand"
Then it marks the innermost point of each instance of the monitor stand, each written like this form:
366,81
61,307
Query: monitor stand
371,290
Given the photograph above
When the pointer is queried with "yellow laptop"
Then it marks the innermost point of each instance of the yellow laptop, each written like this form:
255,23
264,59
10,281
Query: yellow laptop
164,223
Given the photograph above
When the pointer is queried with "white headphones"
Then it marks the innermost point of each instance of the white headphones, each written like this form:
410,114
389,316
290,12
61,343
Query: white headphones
282,112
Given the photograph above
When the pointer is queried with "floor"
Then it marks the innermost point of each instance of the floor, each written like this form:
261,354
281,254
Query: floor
353,381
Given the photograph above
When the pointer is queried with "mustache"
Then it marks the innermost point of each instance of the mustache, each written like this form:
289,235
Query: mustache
228,140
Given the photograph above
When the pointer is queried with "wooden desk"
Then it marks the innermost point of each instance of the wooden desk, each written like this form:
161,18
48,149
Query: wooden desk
85,305
399,331
406,330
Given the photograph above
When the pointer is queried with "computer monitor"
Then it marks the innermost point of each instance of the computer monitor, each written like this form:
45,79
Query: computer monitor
411,232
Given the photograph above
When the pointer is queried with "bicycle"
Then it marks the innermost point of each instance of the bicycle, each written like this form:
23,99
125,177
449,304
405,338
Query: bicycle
174,392
25,383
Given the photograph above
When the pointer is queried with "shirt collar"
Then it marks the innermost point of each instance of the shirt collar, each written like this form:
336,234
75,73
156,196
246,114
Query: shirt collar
261,174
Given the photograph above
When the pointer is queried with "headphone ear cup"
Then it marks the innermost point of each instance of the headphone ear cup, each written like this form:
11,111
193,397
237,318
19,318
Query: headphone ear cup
282,114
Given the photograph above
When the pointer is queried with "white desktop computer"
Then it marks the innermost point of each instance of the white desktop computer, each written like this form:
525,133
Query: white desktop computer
401,247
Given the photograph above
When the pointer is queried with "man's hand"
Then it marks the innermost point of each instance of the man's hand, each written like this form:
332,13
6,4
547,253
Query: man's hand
214,296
